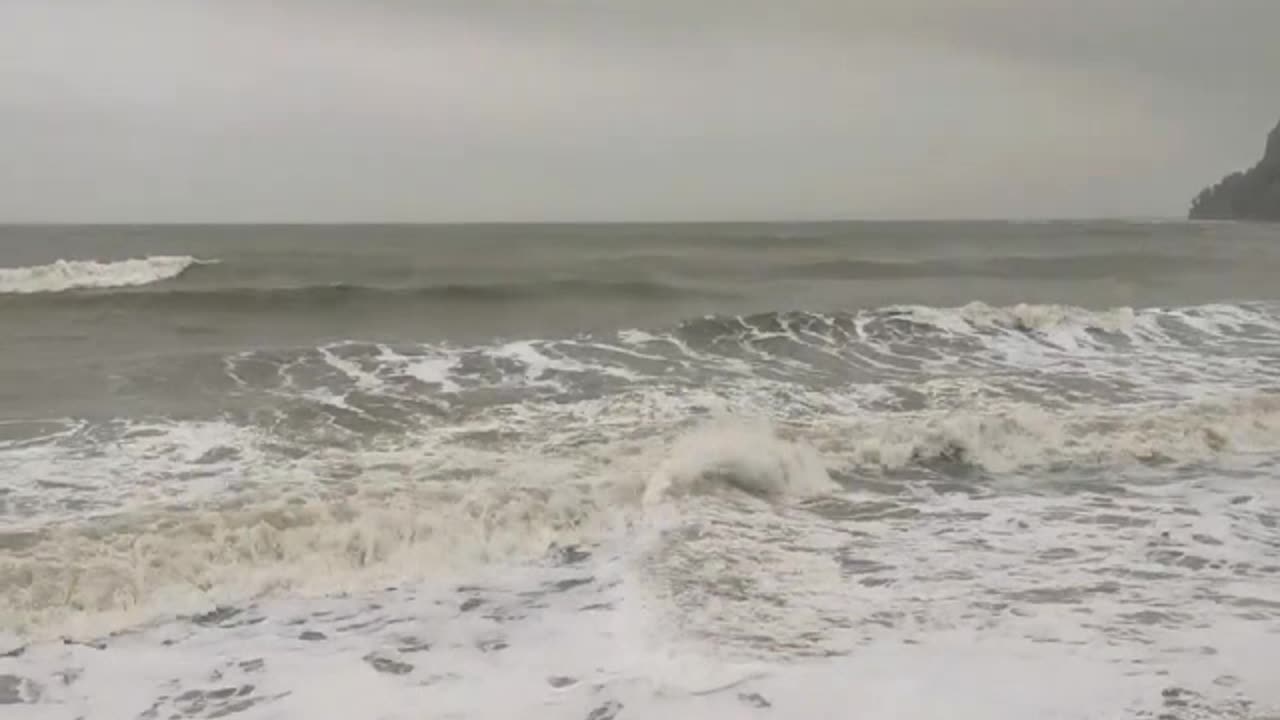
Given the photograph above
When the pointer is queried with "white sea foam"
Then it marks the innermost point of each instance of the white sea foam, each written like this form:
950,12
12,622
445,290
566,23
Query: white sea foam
1010,436
1003,607
66,275
1070,326
245,523
1059,356
744,456
83,470
210,510
118,572
727,568
398,517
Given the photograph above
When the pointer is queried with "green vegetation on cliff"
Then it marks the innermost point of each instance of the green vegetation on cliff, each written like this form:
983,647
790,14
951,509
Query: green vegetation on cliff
1250,195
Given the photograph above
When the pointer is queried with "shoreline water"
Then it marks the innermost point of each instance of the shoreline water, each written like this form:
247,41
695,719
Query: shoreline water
1005,470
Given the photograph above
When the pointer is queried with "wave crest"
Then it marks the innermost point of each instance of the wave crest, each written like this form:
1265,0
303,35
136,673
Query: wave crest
95,577
64,275
743,456
1021,437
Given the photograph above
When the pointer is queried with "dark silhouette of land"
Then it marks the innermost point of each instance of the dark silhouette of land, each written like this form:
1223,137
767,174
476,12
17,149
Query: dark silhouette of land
1250,195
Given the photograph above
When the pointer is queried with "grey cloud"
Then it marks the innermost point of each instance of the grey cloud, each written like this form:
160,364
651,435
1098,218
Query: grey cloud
591,109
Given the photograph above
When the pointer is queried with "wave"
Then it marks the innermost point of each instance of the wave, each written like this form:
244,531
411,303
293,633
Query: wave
123,569
979,319
342,294
1094,266
119,571
1017,437
65,275
748,457
521,500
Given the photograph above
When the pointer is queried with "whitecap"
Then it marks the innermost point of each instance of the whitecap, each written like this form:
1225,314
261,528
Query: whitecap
64,275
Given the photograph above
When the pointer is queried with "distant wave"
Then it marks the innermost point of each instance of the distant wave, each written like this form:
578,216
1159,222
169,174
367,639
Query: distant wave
65,275
1047,267
339,294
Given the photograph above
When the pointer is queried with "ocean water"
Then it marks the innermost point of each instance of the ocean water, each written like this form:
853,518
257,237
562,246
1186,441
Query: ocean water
893,470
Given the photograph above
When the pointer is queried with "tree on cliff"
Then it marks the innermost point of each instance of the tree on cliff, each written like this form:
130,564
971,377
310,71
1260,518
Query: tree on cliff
1250,195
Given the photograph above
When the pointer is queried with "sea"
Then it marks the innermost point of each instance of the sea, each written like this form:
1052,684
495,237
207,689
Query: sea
898,470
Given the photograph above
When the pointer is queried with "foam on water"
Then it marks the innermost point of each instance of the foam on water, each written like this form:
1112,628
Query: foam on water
1033,511
91,580
1053,354
1003,437
996,607
748,457
66,275
84,470
438,505
412,514
326,523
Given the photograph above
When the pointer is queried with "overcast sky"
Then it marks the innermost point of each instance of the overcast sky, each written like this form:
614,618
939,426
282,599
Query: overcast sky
428,110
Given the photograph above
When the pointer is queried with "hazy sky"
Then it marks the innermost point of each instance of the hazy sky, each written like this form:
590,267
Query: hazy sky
404,110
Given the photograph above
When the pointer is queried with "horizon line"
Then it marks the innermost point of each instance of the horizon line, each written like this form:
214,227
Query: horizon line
482,223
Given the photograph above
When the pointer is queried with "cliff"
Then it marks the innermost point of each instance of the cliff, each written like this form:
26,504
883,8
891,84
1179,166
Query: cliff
1250,195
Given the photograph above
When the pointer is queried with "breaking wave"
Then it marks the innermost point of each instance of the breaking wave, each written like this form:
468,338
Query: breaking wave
977,317
748,457
119,570
1022,437
381,463
65,275
519,504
